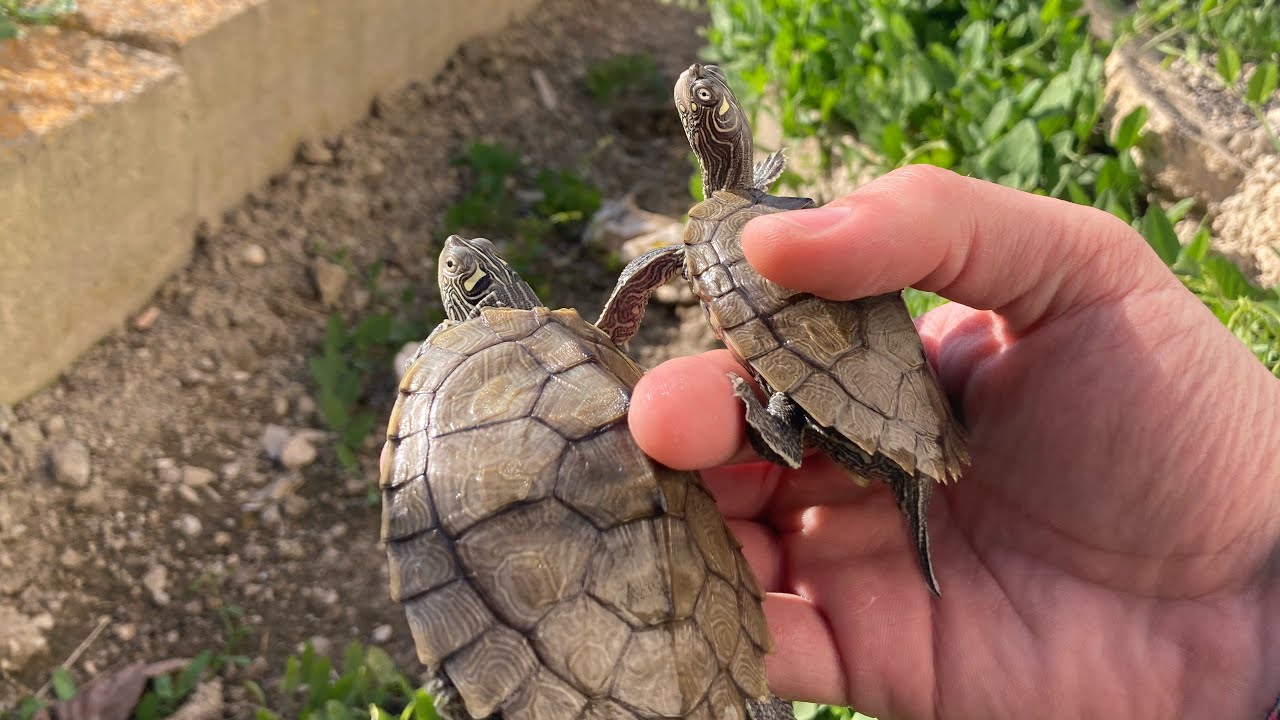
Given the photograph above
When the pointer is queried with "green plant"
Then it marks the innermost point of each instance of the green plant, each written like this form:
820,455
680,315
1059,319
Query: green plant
366,684
622,76
813,711
16,13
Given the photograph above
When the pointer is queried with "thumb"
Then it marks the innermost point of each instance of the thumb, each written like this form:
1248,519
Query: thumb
1027,257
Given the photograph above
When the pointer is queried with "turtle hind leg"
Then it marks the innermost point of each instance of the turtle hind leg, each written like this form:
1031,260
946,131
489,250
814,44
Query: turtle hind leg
912,491
774,708
623,311
776,431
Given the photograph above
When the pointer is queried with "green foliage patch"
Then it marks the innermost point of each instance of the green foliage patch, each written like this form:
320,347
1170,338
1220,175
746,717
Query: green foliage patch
16,13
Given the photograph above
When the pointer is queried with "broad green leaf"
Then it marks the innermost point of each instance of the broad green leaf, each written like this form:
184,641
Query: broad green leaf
1228,64
292,674
1262,84
1130,126
1057,97
1018,151
1159,233
64,686
7,29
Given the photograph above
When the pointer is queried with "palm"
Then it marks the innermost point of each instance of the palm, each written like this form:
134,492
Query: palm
1072,537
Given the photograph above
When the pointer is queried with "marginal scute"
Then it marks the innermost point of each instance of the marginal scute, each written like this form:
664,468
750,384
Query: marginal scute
430,369
713,282
753,621
711,535
580,400
731,310
608,479
816,329
419,564
496,384
727,700
528,559
624,368
410,415
544,696
898,443
747,669
718,617
784,369
513,323
559,640
750,340
578,328
406,510
700,256
695,663
821,397
467,616
465,338
674,485
684,563
491,669
470,481
606,710
629,575
650,674
764,295
408,459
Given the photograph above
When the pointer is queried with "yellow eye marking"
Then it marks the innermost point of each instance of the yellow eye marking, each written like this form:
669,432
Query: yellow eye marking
724,107
476,277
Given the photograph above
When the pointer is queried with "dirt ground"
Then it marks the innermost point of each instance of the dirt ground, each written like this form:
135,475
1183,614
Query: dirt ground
178,510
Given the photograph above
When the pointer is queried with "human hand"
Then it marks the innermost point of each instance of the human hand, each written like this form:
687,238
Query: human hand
1114,549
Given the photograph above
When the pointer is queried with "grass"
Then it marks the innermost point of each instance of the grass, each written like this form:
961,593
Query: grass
1006,90
16,13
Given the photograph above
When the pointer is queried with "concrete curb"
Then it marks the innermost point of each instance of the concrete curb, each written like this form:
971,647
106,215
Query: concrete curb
120,134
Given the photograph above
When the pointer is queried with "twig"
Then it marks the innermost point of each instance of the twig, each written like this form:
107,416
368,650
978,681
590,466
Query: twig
75,654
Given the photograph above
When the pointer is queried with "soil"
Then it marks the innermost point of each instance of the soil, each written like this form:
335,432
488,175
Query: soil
179,511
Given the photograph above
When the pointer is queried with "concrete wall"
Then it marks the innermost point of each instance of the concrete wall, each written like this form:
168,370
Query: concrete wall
120,133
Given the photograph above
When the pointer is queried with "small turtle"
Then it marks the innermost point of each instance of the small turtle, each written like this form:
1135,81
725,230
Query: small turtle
848,377
549,570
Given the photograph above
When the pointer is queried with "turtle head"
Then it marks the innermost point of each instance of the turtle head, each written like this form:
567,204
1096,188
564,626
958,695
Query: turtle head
472,276
716,126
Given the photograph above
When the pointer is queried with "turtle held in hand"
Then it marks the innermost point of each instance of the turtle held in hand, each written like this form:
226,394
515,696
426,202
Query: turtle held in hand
847,377
549,570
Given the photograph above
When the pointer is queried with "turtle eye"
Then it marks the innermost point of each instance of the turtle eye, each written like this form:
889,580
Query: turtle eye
703,94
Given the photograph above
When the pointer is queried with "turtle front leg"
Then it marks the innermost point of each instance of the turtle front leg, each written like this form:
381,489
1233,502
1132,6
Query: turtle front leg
775,431
623,311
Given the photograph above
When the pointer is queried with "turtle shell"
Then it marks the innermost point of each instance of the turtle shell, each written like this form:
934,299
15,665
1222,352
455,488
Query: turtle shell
549,570
856,366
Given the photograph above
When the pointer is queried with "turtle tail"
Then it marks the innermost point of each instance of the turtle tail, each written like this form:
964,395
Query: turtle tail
912,493
773,708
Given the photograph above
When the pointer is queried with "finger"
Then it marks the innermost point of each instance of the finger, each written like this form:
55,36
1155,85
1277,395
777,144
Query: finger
684,414
760,547
956,339
805,662
1028,257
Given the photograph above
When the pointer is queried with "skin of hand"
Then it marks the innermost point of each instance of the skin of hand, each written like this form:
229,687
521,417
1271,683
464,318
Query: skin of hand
1114,548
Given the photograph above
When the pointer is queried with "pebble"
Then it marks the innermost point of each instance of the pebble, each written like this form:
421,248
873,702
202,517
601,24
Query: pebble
69,462
381,634
546,93
26,439
156,581
188,494
274,438
7,419
290,548
91,499
167,470
189,525
330,280
197,477
304,407
71,559
326,597
297,452
315,152
222,539
143,321
21,640
125,632
254,255
295,506
55,425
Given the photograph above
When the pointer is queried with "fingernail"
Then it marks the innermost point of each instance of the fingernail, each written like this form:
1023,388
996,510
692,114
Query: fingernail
816,219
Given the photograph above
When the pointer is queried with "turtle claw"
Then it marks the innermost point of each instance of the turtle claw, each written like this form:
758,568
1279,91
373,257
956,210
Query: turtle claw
776,431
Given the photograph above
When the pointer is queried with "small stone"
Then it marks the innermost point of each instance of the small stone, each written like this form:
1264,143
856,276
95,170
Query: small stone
69,462
26,439
315,152
297,453
281,404
304,407
321,645
295,506
270,516
330,280
546,93
274,438
254,255
21,641
189,525
197,477
71,559
54,425
91,499
290,548
125,632
222,539
187,493
143,321
381,634
156,581
7,419
167,470
230,471
326,597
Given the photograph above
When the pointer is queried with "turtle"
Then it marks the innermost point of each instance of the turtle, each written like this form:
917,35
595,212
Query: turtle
548,569
849,378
